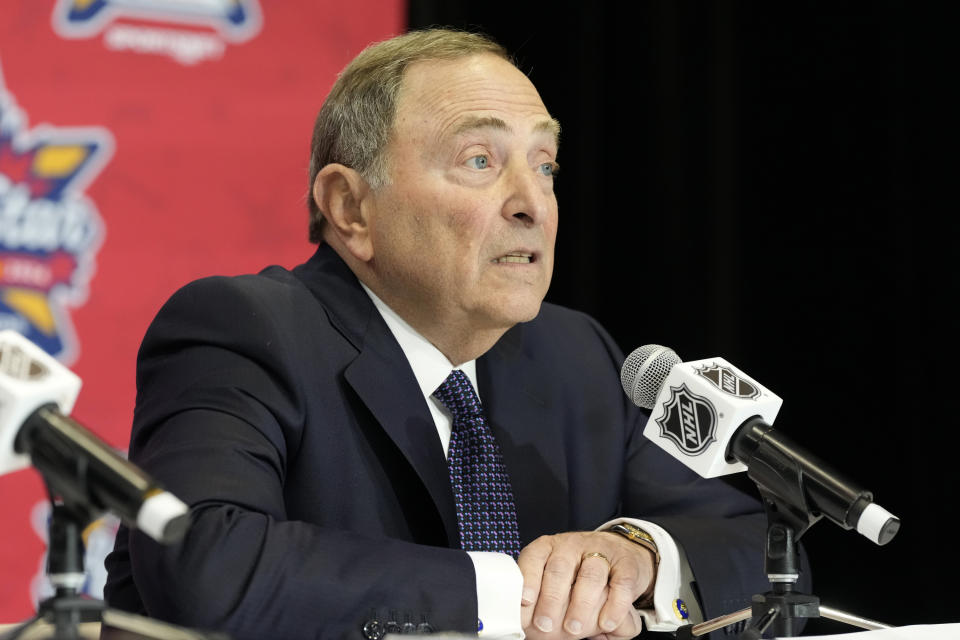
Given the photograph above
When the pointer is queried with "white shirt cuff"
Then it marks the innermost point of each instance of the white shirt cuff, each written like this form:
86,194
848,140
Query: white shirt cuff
499,588
669,607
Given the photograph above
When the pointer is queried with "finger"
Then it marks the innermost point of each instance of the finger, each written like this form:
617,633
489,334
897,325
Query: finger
598,633
623,590
588,594
532,633
630,627
526,616
558,575
531,561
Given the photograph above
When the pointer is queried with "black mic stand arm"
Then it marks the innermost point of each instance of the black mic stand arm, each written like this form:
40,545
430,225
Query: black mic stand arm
70,514
784,489
781,606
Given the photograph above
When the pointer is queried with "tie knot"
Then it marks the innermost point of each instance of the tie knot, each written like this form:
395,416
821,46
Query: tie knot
457,395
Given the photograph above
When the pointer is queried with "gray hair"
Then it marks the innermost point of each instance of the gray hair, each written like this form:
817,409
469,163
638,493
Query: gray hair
355,121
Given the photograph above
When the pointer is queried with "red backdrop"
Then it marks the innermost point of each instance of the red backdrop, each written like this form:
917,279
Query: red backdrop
145,143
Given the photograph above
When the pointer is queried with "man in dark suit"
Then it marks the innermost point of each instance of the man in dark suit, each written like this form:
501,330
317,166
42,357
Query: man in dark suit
306,416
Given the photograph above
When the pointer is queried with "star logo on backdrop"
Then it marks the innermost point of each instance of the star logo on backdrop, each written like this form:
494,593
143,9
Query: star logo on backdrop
49,230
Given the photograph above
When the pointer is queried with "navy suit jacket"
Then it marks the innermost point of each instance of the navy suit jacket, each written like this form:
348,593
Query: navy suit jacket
282,410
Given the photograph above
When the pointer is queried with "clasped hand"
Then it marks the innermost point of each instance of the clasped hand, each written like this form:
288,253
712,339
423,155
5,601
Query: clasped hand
568,593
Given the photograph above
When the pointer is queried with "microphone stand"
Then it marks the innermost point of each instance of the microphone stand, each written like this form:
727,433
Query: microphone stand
68,608
779,609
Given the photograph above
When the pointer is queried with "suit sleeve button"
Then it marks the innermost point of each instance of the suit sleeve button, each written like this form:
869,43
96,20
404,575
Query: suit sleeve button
373,630
424,628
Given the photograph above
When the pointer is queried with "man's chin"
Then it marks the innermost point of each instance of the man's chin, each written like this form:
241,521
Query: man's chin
519,312
531,314
503,308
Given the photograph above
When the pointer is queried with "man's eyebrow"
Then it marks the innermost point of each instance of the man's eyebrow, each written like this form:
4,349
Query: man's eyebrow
551,126
480,122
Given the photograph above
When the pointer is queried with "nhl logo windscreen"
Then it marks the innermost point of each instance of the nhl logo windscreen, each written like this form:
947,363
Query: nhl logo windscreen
689,420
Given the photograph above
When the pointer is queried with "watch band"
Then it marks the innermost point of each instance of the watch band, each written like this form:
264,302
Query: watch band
638,535
644,539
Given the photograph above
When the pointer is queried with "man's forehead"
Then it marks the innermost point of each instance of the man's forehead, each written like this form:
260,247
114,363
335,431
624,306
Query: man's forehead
481,91
473,77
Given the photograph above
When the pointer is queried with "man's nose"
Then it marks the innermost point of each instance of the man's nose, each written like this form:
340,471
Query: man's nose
530,197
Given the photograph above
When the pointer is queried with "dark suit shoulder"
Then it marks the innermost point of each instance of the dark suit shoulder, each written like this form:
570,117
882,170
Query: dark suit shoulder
252,313
236,344
215,298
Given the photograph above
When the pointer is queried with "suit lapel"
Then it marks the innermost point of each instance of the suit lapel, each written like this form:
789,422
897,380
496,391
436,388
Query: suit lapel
525,415
396,401
382,377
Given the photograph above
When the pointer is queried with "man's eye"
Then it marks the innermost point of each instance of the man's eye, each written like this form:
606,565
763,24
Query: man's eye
478,162
550,169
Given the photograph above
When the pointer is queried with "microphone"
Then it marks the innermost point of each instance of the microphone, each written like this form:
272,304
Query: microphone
36,394
716,420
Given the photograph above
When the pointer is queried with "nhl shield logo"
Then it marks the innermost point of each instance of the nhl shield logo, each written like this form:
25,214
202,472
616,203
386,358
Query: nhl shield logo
725,379
689,420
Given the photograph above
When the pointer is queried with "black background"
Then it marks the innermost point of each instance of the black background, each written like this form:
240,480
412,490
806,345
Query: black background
770,183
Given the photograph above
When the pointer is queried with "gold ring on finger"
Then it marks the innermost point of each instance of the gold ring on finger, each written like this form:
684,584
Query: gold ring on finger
597,554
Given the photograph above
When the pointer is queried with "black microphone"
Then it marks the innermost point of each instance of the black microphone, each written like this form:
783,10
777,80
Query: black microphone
716,420
36,392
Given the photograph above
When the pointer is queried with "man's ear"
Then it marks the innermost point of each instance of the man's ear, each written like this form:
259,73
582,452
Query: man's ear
339,192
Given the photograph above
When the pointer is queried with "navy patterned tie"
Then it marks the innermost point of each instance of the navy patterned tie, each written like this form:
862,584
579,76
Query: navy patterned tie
481,486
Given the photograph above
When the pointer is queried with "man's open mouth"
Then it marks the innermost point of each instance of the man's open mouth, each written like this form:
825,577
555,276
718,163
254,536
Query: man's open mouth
519,258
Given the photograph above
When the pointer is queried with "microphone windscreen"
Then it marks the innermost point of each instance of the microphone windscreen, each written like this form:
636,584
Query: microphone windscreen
644,372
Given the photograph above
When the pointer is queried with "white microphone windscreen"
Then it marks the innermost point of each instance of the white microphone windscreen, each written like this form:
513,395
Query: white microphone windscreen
644,372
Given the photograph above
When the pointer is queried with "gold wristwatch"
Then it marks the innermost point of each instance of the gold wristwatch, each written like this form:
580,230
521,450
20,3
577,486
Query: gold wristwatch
644,539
